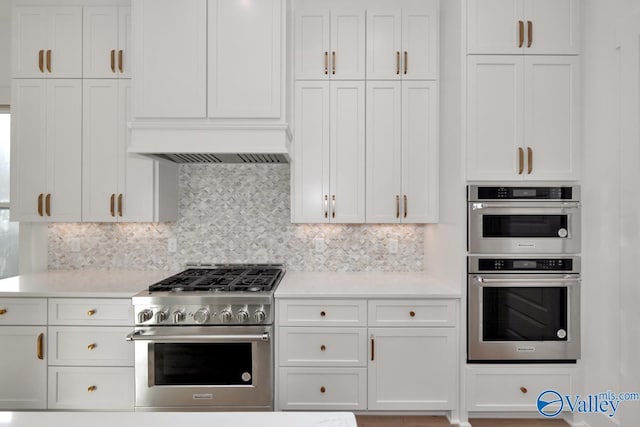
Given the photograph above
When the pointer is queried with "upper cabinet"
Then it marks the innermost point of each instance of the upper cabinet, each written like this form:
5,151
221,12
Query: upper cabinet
402,44
545,27
47,42
106,42
330,44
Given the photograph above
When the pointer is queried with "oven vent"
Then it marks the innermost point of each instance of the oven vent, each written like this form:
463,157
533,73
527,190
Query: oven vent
223,157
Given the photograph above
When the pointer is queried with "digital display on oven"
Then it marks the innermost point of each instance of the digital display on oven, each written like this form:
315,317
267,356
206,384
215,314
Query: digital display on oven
524,265
525,192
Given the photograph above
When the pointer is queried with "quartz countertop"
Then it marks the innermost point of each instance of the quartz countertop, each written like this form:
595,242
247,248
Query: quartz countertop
172,419
80,283
363,285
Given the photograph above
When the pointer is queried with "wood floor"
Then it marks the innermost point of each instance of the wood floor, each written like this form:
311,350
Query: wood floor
393,421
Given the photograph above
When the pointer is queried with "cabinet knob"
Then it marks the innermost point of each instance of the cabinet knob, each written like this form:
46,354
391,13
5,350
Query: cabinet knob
91,346
323,314
3,311
323,347
91,312
412,313
322,389
523,390
92,388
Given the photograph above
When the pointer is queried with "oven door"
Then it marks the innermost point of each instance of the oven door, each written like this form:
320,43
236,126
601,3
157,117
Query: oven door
524,227
523,317
204,368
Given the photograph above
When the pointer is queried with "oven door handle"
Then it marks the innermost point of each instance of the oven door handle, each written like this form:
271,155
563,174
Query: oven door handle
528,204
565,279
139,336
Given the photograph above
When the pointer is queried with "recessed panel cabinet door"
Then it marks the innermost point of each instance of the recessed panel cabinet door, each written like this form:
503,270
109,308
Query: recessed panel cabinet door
384,44
100,42
494,26
312,44
244,44
419,44
29,40
555,27
347,45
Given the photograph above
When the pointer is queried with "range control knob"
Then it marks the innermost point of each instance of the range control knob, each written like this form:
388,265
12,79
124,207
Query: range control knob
226,315
178,316
242,315
259,315
145,315
161,316
201,316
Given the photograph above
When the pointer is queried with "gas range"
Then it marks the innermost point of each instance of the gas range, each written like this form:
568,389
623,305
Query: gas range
211,294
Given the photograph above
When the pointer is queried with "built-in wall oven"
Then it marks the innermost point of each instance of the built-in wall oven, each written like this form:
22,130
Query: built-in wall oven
523,219
523,308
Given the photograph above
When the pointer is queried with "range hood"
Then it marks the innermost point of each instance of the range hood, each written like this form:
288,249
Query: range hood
207,143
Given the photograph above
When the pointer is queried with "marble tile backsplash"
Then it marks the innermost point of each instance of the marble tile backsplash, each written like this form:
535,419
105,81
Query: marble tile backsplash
235,213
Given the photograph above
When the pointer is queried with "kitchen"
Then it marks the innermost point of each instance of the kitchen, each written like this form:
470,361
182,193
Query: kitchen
246,211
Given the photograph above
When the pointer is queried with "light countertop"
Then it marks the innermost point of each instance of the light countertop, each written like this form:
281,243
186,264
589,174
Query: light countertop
363,285
80,283
172,419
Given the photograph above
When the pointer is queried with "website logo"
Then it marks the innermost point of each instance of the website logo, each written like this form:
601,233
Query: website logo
550,403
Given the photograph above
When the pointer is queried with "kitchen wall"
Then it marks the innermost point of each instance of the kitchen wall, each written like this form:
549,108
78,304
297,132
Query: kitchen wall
235,213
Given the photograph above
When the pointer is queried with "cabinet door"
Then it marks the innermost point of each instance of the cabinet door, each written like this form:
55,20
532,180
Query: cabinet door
100,42
384,44
64,42
124,42
412,369
23,369
493,26
312,44
347,152
552,111
100,142
555,26
29,39
310,201
347,45
419,151
64,148
420,44
495,90
28,149
170,71
384,154
244,46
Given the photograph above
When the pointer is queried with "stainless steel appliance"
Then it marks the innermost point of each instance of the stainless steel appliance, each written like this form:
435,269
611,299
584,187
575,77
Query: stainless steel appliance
204,339
523,308
523,219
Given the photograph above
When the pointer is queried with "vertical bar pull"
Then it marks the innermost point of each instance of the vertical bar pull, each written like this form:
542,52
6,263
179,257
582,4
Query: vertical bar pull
326,62
41,60
397,206
120,205
326,206
530,33
397,62
40,204
120,61
333,206
49,60
113,61
373,348
333,62
520,33
406,61
40,347
520,160
405,206
529,160
112,205
47,204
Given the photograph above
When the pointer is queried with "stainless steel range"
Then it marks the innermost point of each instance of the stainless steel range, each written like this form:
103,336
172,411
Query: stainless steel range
204,339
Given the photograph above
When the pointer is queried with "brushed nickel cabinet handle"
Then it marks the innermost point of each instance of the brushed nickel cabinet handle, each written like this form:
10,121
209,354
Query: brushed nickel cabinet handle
41,60
529,33
397,62
120,61
333,62
326,62
333,206
113,60
397,206
406,60
40,347
112,205
49,60
40,204
529,160
120,205
373,348
520,33
326,206
520,160
405,206
47,204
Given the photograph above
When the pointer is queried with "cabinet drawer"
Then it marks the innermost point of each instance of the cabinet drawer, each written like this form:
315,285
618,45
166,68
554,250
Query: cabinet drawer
496,389
322,313
77,345
91,388
323,346
436,312
23,311
343,389
97,311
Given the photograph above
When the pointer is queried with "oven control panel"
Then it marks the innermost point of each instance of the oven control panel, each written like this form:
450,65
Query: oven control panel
204,314
489,264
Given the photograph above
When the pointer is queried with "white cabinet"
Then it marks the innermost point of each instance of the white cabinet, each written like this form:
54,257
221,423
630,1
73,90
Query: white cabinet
402,152
523,117
330,44
402,44
118,186
329,152
548,27
23,359
106,42
46,143
46,42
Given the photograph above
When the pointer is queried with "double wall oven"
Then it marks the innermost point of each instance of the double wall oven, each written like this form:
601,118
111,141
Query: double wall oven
523,274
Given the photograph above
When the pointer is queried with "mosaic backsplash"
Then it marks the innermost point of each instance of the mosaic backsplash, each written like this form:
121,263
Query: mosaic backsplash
235,214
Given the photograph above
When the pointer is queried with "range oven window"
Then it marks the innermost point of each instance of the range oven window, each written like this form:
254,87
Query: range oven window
524,314
523,225
203,363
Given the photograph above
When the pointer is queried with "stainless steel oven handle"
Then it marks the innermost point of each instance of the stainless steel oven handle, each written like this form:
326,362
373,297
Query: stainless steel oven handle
528,204
139,336
565,279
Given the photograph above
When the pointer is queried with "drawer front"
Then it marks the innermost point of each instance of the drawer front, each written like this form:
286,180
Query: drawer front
78,346
323,346
343,389
23,311
422,313
91,388
322,313
491,390
96,311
